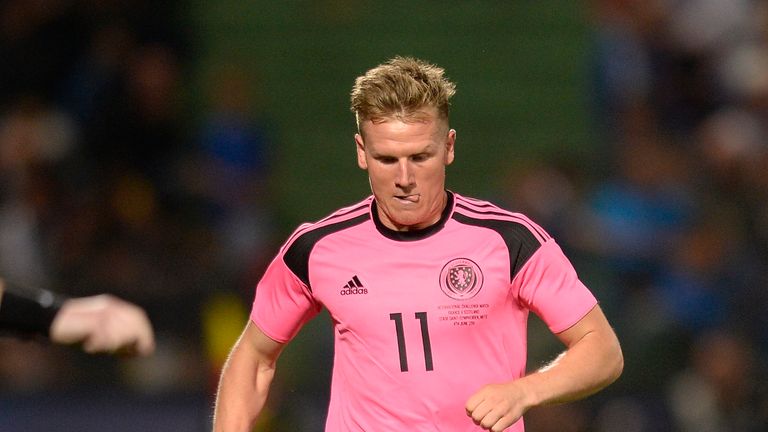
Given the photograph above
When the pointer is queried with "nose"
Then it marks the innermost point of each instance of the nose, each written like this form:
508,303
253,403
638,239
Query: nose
404,175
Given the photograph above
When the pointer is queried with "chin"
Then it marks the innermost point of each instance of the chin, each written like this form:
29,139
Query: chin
408,223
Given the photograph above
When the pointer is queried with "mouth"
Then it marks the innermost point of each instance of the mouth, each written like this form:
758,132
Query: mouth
407,199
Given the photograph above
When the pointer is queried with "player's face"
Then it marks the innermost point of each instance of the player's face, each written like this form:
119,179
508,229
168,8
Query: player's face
406,167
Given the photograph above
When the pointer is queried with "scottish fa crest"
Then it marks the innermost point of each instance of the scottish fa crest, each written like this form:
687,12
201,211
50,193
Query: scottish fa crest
461,279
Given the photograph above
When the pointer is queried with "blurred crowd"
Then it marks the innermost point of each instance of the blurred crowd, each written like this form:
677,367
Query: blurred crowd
109,182
668,223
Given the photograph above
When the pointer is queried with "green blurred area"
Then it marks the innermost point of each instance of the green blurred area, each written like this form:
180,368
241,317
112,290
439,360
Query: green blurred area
519,66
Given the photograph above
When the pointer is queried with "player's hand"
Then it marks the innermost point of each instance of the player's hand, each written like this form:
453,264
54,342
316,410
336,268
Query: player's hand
104,324
496,407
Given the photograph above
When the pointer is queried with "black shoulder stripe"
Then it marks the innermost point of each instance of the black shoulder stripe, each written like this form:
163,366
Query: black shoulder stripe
341,213
539,231
344,212
520,241
297,255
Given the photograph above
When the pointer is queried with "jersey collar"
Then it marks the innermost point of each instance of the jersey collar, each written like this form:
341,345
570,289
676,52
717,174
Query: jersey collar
415,234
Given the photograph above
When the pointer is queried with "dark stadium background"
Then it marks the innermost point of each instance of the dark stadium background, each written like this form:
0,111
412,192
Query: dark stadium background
161,151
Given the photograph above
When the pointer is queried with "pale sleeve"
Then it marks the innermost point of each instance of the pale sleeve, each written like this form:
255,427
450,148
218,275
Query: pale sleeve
549,286
283,303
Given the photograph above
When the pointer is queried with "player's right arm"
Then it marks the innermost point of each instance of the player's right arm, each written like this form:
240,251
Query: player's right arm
245,381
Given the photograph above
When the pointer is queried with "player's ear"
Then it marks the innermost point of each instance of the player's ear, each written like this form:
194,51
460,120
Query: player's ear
450,142
360,147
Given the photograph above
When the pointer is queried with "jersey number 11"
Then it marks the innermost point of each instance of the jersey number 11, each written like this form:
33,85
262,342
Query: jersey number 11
422,317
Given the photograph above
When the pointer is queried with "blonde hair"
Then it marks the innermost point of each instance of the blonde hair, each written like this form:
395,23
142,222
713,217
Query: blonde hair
400,88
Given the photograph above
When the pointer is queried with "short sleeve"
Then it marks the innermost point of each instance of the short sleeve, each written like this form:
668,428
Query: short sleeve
548,285
283,303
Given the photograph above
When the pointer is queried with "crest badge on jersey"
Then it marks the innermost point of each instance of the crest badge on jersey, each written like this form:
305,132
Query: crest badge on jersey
461,279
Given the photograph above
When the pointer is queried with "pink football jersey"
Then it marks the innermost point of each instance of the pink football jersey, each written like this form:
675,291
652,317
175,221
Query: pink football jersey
422,319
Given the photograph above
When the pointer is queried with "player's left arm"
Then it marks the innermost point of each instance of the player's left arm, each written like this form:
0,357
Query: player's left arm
592,360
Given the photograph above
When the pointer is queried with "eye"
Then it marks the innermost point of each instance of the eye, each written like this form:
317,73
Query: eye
387,160
421,157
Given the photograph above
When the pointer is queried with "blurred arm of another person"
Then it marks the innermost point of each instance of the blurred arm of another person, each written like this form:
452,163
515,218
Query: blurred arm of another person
100,324
103,323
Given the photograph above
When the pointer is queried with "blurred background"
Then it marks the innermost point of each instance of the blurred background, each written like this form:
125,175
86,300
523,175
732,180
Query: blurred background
162,151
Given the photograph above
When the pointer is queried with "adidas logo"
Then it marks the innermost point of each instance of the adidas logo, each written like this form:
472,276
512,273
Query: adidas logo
354,286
